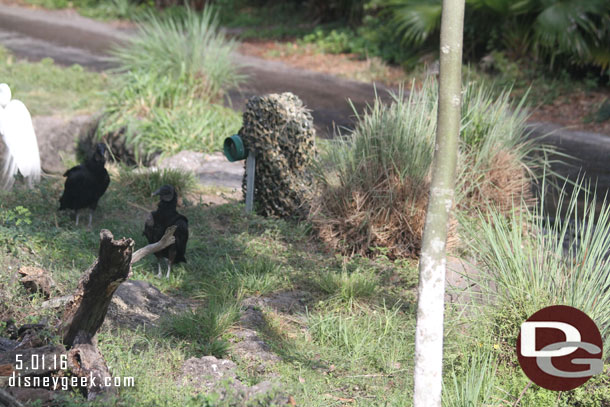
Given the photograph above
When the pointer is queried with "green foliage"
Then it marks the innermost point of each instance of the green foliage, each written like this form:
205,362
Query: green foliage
474,384
573,33
172,75
188,49
394,139
370,339
17,216
518,251
204,327
348,286
257,277
103,9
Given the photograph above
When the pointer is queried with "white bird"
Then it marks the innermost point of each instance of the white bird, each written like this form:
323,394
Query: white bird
21,147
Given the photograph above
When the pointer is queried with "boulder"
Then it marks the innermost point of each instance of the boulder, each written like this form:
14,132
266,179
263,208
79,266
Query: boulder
57,139
136,303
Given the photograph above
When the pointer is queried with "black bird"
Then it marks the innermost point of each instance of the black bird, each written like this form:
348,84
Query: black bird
86,183
164,217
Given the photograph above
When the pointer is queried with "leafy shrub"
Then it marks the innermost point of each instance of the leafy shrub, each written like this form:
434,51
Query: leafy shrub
573,32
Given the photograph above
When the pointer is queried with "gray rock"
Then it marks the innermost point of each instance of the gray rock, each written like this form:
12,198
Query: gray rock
463,281
137,303
57,138
206,373
209,374
211,169
247,345
286,302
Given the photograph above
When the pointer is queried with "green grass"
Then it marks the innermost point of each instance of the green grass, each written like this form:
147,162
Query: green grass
353,341
144,183
189,48
517,255
230,257
103,10
47,88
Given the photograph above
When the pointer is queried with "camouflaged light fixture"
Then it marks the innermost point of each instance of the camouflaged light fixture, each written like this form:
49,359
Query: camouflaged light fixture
279,130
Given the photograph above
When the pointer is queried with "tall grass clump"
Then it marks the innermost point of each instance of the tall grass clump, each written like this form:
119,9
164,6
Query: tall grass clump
171,80
474,384
186,47
204,327
143,183
373,185
530,260
496,164
372,339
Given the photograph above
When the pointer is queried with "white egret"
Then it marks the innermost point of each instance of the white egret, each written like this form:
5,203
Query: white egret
21,153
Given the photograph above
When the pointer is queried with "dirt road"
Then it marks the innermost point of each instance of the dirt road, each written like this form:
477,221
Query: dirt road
69,38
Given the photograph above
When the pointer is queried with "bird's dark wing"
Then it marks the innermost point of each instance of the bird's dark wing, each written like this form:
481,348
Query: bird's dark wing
104,181
182,237
76,168
77,192
148,228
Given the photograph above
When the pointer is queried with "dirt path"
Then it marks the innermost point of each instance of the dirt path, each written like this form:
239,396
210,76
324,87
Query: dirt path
69,38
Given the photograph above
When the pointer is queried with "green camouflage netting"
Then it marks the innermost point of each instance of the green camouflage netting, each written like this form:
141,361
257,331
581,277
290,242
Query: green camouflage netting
280,131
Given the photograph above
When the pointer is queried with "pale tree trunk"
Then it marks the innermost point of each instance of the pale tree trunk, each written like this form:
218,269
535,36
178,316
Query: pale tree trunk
432,263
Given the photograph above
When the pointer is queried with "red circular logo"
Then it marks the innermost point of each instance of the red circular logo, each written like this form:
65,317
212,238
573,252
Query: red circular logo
560,348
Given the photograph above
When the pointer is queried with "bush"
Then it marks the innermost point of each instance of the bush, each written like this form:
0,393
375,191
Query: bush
172,75
189,50
373,185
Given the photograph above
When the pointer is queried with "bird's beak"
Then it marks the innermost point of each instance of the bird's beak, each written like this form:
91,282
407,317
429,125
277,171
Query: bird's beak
157,192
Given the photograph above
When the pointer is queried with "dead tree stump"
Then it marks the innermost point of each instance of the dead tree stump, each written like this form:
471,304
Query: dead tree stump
84,314
86,311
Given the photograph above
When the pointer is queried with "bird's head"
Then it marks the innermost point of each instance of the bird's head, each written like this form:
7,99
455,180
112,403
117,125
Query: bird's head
166,193
5,94
99,154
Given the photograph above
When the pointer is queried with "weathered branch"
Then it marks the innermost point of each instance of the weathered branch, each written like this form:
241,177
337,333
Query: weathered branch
85,313
168,239
86,310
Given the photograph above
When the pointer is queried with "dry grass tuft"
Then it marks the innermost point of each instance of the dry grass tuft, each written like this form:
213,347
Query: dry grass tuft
504,184
389,217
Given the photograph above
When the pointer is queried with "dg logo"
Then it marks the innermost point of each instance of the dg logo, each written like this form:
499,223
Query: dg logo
560,348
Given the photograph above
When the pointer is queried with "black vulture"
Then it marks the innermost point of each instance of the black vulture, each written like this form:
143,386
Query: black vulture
86,183
164,217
